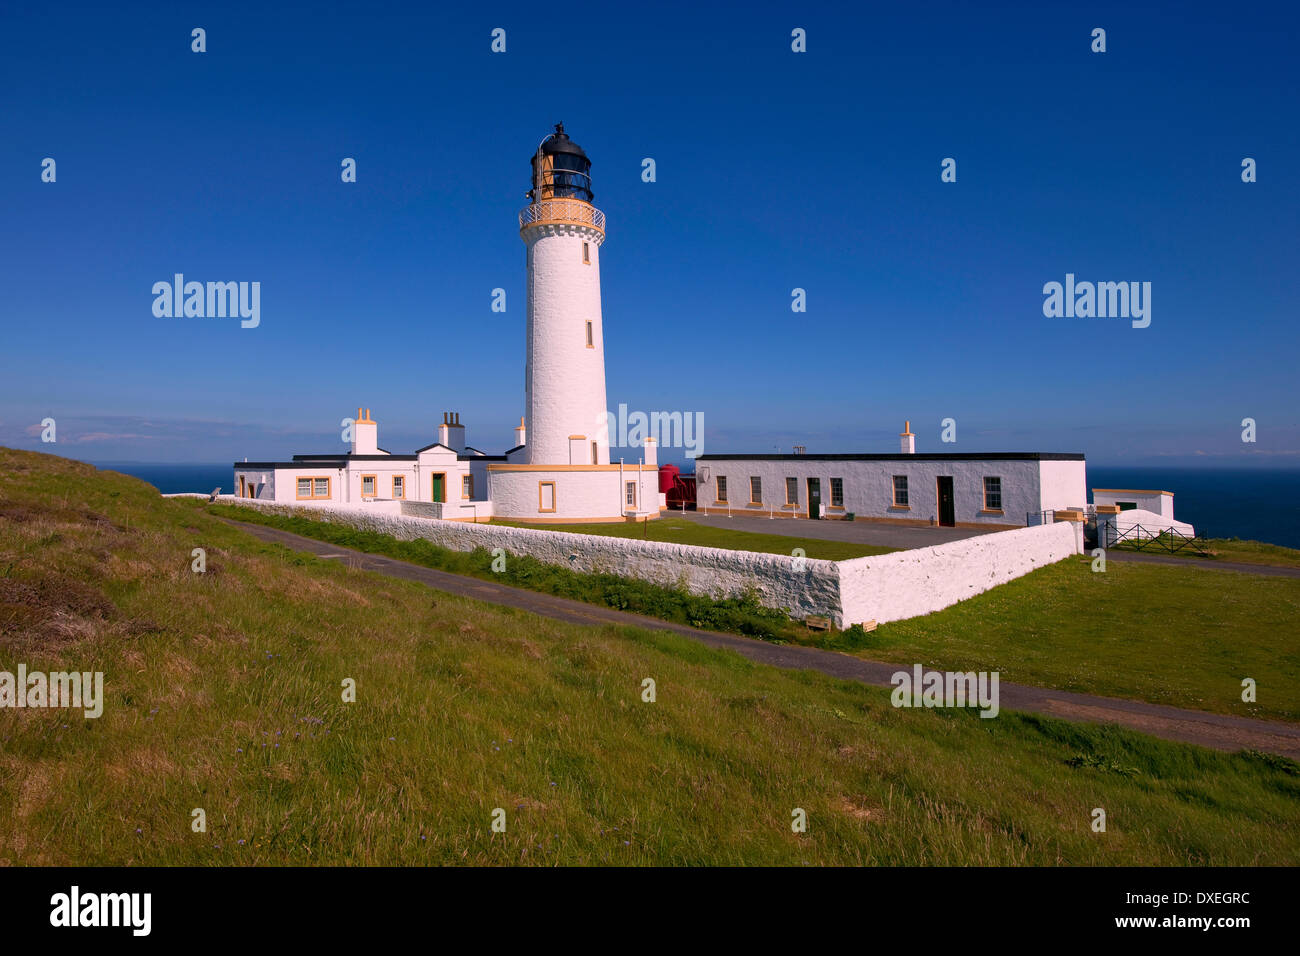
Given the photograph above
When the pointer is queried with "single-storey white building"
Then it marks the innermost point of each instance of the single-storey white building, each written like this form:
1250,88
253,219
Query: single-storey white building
1139,513
447,473
974,490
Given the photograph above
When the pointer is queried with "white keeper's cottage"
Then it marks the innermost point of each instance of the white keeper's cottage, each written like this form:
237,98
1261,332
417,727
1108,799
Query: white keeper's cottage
974,490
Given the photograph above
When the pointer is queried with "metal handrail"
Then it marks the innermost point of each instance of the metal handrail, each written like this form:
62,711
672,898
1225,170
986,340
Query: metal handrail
562,210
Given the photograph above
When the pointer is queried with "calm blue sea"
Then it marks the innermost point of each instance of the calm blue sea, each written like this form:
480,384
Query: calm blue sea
175,479
1255,504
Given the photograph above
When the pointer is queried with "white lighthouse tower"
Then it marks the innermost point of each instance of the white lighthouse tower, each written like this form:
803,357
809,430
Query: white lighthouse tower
563,472
564,375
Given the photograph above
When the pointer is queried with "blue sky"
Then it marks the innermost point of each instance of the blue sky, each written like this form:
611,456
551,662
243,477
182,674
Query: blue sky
775,170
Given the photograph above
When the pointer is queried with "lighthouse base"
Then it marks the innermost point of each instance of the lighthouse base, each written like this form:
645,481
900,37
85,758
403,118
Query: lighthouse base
574,493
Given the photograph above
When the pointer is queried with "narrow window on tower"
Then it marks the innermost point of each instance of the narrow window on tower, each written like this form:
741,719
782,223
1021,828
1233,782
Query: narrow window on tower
590,341
595,454
586,253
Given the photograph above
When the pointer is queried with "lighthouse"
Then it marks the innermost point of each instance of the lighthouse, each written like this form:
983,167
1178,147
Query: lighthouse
564,372
560,470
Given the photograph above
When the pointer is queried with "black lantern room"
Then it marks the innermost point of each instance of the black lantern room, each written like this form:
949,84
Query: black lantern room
561,170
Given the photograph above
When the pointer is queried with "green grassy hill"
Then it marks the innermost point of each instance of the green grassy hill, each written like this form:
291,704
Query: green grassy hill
224,693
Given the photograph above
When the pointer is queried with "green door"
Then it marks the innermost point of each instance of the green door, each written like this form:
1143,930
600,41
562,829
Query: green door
438,493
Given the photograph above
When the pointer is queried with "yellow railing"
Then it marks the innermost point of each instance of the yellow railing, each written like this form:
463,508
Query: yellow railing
562,210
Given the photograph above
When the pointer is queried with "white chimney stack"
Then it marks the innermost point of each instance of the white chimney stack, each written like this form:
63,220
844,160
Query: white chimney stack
520,432
907,441
365,435
451,432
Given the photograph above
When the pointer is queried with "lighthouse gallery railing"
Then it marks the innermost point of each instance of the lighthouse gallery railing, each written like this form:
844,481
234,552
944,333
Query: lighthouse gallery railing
562,210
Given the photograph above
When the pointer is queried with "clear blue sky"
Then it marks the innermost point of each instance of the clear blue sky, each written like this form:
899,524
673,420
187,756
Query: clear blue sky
775,170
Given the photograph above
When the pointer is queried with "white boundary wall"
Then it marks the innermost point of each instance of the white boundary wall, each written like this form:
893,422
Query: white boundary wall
891,587
884,588
716,572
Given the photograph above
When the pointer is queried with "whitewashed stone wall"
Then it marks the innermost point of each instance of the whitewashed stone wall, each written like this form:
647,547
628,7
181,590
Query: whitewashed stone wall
884,588
892,587
810,588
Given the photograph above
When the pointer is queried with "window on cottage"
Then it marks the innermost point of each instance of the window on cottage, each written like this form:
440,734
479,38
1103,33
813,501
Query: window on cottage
837,492
467,486
992,494
755,490
792,491
900,491
367,486
304,487
399,486
722,488
631,494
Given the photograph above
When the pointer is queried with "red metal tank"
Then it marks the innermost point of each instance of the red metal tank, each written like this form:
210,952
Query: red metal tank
667,477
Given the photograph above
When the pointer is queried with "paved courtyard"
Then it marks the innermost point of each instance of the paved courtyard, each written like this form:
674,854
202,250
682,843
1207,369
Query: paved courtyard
861,532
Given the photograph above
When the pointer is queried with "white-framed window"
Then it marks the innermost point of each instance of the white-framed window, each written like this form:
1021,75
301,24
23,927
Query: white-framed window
792,491
755,490
467,486
992,493
837,492
722,487
399,486
900,491
631,494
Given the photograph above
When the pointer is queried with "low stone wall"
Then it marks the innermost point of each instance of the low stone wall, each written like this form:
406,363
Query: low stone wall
804,587
888,587
891,587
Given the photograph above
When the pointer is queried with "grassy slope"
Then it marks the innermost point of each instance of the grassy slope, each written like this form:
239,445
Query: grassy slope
463,707
681,531
1235,549
1182,636
1178,635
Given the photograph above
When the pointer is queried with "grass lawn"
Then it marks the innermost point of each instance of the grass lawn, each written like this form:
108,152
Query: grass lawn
1234,549
1178,635
682,531
223,693
1183,636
